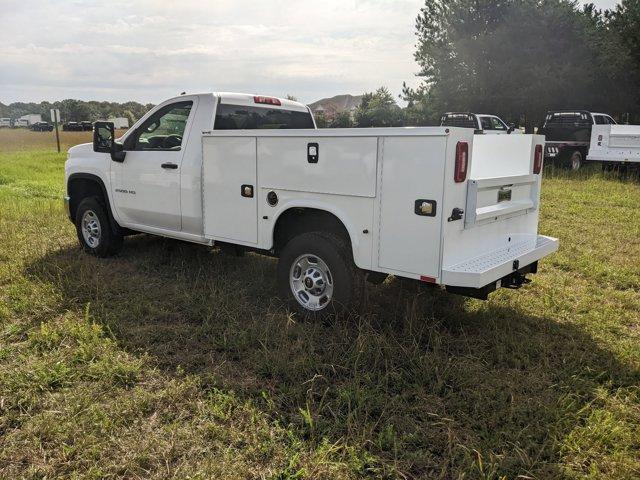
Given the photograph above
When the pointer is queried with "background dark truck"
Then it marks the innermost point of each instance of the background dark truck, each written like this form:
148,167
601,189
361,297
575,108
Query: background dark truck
568,133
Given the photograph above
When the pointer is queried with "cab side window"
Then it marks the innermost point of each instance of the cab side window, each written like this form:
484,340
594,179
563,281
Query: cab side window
497,124
486,123
163,130
600,120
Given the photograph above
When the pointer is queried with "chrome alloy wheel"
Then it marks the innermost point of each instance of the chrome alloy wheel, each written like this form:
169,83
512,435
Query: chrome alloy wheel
311,282
91,229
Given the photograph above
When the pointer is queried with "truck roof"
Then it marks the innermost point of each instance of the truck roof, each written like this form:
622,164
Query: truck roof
568,112
248,99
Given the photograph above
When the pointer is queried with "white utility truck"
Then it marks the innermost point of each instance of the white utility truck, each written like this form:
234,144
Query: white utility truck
337,206
567,134
482,123
614,145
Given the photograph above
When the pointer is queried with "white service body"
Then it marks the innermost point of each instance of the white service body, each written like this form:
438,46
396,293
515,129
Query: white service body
615,144
369,179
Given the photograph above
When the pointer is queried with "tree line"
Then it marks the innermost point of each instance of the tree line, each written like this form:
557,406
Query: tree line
517,59
77,110
513,58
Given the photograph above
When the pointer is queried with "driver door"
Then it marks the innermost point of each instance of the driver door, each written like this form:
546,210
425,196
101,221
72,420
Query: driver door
146,186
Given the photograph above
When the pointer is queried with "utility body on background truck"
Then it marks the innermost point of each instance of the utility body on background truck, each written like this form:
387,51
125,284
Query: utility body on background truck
435,204
615,145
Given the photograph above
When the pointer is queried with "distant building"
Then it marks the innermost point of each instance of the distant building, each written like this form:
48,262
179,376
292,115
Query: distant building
330,107
28,120
119,122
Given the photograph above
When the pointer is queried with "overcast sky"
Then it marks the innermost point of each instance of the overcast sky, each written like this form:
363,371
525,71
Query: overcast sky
148,50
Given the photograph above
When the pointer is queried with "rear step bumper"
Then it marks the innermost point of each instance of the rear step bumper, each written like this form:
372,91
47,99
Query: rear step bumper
509,264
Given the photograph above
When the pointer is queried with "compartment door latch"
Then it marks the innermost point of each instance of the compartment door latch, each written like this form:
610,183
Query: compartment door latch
313,152
456,214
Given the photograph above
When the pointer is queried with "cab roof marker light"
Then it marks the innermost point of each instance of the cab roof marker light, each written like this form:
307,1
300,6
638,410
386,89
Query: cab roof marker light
266,100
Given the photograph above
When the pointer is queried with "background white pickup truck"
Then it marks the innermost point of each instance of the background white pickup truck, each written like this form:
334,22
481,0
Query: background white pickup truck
487,124
433,204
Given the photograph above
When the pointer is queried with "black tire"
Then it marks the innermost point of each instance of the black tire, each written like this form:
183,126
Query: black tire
574,162
346,279
108,242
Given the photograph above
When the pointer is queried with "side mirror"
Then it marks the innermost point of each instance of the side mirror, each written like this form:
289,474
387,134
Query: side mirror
512,128
103,137
104,141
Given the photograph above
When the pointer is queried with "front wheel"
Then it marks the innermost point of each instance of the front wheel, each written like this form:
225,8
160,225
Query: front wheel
94,229
317,276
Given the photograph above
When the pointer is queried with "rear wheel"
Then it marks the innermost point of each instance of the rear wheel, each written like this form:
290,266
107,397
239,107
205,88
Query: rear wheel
317,276
575,161
95,233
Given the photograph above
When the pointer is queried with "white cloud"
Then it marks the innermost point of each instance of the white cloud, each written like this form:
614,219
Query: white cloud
147,50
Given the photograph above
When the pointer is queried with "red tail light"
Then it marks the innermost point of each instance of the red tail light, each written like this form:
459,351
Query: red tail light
537,160
266,100
462,162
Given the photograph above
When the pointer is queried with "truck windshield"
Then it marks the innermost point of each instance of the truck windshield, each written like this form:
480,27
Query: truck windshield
240,117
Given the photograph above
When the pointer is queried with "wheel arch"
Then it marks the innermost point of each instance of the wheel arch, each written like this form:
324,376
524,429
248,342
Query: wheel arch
82,185
295,219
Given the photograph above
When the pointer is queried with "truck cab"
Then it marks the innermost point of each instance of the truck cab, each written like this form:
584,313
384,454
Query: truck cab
158,187
482,123
438,205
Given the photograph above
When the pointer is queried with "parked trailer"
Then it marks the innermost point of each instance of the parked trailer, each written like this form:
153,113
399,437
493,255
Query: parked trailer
28,120
615,145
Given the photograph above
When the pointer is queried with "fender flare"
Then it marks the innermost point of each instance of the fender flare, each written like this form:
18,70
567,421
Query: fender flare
105,193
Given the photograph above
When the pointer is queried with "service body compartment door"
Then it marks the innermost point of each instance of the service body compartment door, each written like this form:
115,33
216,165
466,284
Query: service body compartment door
342,166
229,189
412,171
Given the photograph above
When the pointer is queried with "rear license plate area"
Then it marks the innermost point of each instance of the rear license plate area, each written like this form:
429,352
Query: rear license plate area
504,195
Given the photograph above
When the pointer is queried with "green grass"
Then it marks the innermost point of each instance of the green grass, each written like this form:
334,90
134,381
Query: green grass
176,361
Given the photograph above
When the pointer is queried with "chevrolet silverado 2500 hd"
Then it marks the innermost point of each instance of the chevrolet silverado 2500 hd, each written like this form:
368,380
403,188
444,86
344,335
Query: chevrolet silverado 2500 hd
436,204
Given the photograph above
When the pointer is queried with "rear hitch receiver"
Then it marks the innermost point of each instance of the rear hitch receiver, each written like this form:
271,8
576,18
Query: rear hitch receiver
515,280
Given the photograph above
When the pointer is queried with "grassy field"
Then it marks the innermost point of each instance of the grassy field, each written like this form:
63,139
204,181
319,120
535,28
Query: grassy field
176,361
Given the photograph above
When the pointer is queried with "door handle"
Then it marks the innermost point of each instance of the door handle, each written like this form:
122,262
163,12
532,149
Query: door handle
171,166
